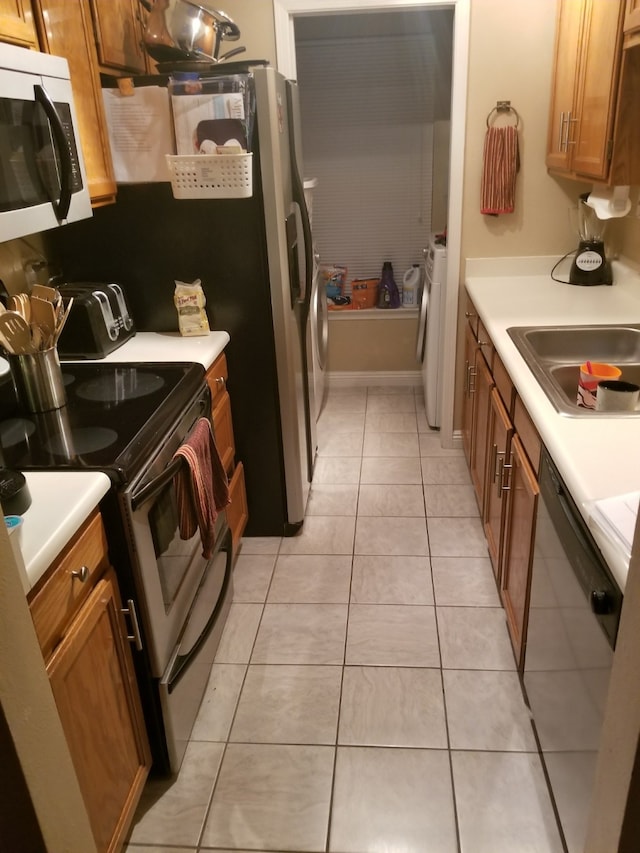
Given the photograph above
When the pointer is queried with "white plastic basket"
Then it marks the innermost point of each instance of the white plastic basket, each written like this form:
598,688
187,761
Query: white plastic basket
211,175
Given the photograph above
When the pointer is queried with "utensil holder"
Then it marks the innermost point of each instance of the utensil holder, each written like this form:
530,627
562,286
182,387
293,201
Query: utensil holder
38,381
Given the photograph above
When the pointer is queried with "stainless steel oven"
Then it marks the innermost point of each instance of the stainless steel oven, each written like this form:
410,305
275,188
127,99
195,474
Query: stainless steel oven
128,420
573,621
184,597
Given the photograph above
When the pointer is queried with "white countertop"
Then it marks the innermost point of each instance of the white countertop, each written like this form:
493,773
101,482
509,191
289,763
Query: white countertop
170,346
596,457
60,502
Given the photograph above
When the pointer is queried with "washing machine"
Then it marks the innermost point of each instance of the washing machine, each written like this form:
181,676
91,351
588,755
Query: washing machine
430,338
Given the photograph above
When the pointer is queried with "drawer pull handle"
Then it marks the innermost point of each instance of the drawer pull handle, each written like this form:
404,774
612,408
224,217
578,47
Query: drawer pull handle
469,314
484,344
136,637
220,382
82,574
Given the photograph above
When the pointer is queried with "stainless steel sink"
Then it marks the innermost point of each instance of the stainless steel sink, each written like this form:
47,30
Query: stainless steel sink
554,355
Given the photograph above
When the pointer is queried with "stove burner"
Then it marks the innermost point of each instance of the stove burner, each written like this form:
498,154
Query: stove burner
124,384
15,430
82,440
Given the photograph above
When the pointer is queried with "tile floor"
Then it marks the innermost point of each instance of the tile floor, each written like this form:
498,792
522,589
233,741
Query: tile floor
364,696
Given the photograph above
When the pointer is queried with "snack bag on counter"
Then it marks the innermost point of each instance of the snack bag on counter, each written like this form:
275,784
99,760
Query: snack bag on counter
190,300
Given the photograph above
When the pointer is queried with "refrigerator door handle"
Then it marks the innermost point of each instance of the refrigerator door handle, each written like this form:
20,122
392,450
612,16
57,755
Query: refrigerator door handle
298,197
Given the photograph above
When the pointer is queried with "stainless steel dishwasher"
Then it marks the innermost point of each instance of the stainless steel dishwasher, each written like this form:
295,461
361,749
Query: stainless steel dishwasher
573,621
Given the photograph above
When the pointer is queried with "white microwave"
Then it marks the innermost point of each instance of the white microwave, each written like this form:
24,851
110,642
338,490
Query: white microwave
43,182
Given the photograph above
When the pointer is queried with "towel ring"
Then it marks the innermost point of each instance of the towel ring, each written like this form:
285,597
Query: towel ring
504,107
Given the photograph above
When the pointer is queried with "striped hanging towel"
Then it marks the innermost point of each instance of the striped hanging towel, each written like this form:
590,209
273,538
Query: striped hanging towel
202,487
501,163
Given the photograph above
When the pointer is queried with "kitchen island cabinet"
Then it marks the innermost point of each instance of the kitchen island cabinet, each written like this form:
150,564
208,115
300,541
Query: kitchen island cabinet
16,24
79,622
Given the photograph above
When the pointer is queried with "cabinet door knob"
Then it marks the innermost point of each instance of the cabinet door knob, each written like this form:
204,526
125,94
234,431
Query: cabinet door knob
220,382
82,574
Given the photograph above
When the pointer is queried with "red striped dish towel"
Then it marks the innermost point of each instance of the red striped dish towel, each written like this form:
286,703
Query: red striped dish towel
202,487
501,163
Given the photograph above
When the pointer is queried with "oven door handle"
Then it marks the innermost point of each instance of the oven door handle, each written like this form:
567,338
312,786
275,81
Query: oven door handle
180,663
152,488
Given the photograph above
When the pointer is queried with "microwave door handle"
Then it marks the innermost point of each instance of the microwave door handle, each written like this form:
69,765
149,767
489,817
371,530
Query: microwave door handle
63,204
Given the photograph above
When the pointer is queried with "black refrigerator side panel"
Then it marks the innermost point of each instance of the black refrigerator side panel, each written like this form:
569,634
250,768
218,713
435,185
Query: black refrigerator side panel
145,242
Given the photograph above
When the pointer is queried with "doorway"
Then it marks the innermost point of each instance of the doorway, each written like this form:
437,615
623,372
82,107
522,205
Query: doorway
286,13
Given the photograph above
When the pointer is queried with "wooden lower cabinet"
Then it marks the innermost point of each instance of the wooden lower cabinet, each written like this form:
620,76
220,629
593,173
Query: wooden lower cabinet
503,468
77,613
237,512
522,504
93,683
499,435
482,390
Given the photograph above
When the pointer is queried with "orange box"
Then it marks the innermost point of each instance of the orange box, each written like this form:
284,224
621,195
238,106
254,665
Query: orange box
364,292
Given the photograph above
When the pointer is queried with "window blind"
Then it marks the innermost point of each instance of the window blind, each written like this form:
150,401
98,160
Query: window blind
367,108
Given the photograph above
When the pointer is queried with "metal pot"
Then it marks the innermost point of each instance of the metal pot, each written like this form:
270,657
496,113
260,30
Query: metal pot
178,30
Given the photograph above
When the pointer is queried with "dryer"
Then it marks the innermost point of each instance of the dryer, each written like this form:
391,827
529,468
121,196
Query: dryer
429,339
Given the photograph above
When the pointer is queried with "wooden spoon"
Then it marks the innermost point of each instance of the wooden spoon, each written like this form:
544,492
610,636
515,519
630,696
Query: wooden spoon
16,331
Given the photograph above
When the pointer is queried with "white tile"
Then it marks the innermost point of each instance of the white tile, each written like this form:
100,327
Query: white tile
271,797
172,811
239,633
445,470
451,501
392,800
392,536
251,576
392,706
337,470
219,702
337,421
474,638
260,545
464,581
490,818
383,404
322,535
390,470
301,634
305,579
486,711
390,444
391,580
288,704
391,500
394,422
456,537
332,499
392,635
340,443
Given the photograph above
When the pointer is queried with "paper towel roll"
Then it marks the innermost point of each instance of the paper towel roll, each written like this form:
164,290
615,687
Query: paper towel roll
609,202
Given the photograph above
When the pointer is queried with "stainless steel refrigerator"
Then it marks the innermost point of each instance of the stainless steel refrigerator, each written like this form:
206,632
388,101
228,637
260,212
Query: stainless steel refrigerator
254,258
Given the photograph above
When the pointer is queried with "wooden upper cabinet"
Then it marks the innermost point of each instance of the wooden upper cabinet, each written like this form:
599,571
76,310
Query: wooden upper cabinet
66,29
16,23
631,25
563,90
118,32
584,92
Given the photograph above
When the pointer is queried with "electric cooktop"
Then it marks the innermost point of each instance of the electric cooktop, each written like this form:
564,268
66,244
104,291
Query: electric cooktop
114,415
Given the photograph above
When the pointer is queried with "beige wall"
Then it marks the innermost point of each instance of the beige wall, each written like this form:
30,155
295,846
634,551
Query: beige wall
372,345
257,33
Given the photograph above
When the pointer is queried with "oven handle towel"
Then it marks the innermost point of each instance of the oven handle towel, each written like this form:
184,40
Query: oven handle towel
202,486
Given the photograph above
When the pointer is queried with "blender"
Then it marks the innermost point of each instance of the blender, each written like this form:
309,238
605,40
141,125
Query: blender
590,265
